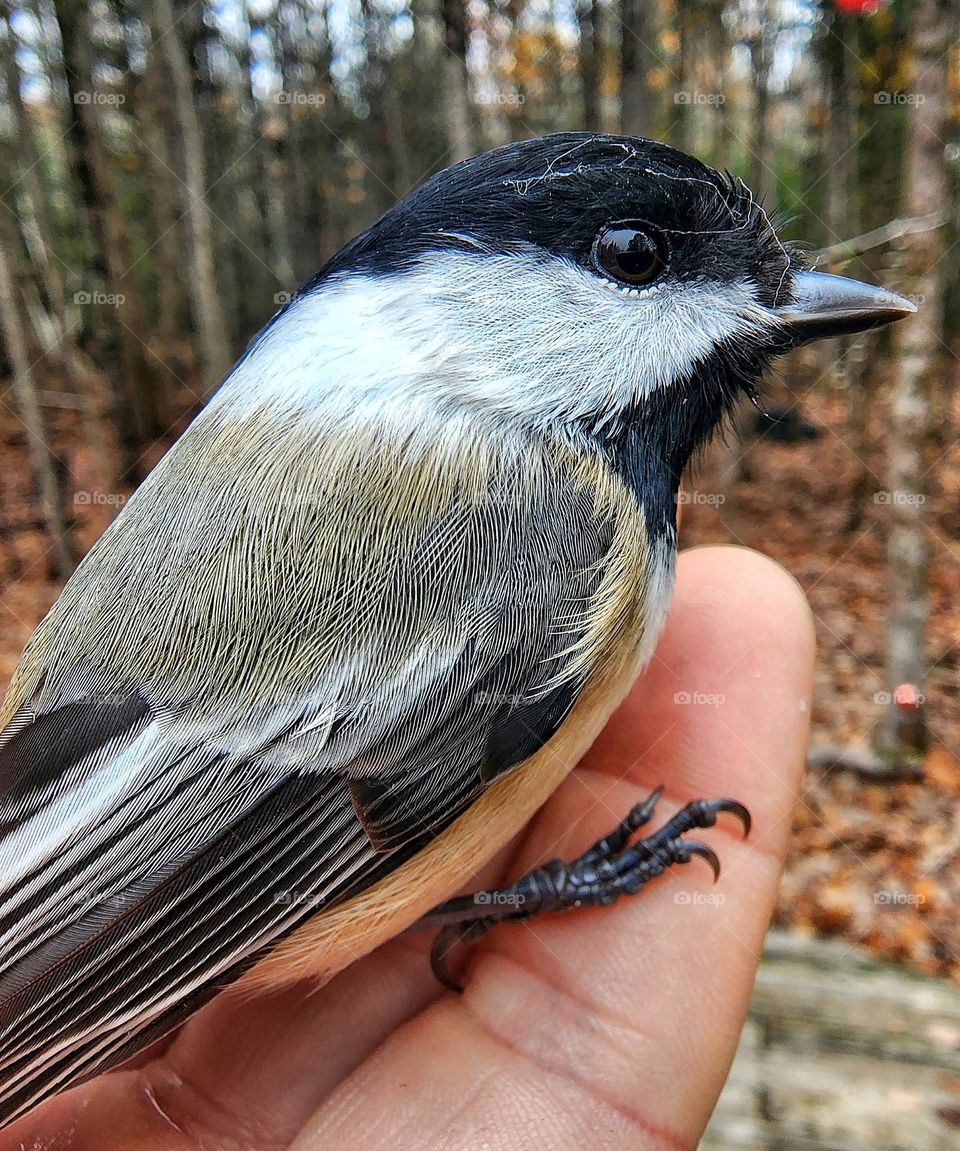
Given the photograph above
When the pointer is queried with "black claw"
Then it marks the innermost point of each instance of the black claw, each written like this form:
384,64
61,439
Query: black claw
734,807
695,847
647,805
642,812
446,942
440,951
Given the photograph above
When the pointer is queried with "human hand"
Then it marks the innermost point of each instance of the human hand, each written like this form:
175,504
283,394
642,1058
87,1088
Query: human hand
607,1028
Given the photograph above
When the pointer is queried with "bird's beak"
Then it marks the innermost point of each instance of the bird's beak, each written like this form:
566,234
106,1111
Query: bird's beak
825,305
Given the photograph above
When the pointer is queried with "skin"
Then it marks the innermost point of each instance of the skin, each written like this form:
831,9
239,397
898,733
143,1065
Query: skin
612,1028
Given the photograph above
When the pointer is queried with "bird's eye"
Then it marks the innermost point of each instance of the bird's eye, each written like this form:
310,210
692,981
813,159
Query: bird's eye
630,254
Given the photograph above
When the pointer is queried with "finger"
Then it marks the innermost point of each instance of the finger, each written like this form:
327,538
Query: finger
620,1024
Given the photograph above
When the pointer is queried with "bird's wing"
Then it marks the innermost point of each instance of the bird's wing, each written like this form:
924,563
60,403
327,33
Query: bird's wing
253,697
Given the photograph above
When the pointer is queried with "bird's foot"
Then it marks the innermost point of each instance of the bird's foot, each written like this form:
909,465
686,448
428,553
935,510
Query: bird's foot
610,868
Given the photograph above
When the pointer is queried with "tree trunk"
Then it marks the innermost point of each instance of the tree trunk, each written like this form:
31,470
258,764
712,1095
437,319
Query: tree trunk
25,390
31,175
123,322
396,137
309,153
853,358
901,735
267,274
637,59
455,82
81,377
842,175
680,109
588,61
157,128
389,142
723,136
761,58
202,280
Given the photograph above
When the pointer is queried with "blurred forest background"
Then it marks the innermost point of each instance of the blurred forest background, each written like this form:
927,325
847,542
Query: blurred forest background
172,169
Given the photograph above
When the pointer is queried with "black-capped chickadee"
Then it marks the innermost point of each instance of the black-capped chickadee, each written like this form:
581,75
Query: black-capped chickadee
382,595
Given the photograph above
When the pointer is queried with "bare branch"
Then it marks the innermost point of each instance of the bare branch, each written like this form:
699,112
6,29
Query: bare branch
907,226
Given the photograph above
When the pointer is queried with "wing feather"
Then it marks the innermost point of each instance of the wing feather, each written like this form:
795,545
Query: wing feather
173,806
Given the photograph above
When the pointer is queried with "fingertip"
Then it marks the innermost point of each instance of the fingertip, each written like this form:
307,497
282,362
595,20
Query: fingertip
747,586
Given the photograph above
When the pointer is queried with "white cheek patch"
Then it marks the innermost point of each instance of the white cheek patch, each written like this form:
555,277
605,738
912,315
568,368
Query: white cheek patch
522,333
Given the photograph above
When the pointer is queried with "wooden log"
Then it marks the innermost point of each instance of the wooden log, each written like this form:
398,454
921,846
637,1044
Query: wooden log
842,1053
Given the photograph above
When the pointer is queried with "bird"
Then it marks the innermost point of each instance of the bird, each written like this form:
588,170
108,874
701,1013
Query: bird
382,594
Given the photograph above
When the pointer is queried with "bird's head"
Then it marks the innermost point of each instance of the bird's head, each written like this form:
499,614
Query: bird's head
575,280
